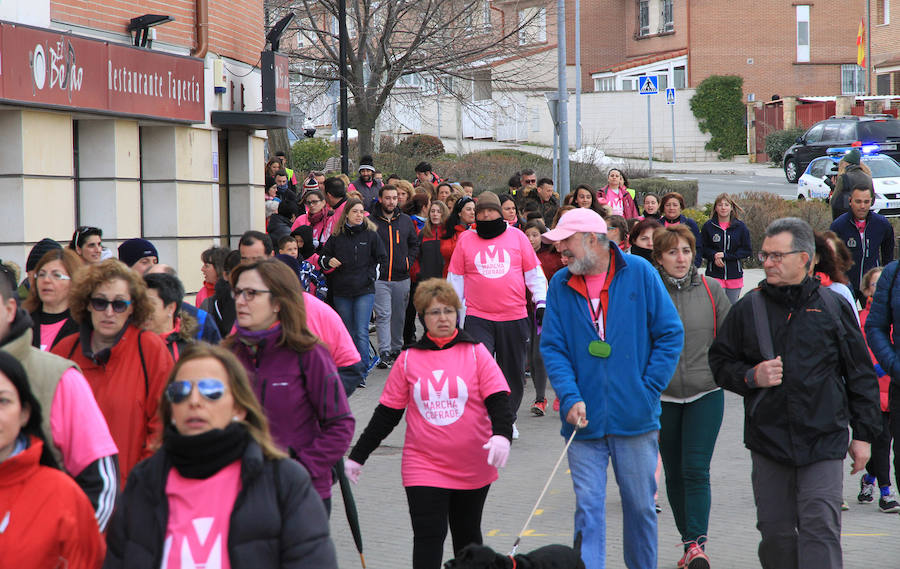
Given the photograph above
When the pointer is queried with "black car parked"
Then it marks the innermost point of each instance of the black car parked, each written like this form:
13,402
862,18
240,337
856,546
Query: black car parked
883,130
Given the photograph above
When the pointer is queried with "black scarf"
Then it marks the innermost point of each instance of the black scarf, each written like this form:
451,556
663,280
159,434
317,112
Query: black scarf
491,229
642,252
201,456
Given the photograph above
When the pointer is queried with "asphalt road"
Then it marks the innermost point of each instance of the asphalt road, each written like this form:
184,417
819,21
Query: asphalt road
712,185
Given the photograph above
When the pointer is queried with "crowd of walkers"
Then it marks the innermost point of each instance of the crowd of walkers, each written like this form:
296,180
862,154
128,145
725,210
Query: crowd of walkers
138,429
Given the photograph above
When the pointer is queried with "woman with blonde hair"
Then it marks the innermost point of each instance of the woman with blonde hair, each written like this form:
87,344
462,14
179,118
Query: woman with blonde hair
48,299
351,256
125,365
218,463
725,241
293,375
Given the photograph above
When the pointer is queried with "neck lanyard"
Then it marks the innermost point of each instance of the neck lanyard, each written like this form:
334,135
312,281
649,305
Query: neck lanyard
597,316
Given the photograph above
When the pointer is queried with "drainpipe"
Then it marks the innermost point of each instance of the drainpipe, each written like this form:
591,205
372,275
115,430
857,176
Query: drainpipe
202,29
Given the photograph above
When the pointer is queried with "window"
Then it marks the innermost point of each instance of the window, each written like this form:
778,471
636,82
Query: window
481,86
883,84
532,26
803,34
818,167
680,77
605,84
486,14
832,131
663,81
668,16
643,17
882,13
853,80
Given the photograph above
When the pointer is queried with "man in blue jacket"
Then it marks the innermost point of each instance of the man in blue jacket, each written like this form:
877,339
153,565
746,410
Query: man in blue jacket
611,340
868,235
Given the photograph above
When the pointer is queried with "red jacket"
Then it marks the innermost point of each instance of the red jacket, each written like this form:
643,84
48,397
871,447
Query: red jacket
448,245
128,398
45,518
884,380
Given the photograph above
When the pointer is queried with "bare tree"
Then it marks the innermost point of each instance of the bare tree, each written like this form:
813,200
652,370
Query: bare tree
437,40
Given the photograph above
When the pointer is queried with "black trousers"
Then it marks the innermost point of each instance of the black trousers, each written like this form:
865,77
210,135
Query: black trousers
508,341
430,510
879,464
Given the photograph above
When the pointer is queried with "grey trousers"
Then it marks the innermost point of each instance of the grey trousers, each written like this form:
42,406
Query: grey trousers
798,513
390,311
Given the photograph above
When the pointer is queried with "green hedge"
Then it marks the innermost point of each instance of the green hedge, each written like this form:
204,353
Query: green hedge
662,186
311,154
719,108
779,141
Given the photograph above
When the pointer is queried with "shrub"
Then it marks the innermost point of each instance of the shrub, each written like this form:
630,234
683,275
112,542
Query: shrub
719,108
662,186
311,153
761,209
698,215
420,146
779,141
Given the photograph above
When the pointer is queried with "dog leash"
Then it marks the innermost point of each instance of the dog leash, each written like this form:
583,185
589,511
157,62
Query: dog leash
544,491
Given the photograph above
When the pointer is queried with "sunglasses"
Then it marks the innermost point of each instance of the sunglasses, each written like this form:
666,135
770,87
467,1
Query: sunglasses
87,230
101,304
210,389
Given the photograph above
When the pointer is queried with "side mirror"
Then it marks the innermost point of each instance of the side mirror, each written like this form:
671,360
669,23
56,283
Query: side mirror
799,140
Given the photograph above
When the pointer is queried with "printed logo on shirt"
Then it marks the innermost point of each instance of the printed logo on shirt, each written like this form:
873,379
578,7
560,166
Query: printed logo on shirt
200,549
851,243
492,263
441,400
717,238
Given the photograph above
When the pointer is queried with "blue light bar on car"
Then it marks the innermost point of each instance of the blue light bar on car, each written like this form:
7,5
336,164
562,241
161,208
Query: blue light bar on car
841,150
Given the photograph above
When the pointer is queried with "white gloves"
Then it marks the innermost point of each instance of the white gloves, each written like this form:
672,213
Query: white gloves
498,450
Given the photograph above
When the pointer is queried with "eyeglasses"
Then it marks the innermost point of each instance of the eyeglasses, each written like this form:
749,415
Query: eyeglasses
313,202
53,276
530,181
210,389
437,312
248,293
775,257
101,304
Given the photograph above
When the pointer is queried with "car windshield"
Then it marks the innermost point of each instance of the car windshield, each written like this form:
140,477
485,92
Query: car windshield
882,166
879,131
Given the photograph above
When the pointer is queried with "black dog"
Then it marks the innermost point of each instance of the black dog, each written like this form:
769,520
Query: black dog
547,557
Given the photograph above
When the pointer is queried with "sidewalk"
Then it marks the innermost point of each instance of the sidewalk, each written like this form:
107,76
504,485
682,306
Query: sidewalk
722,167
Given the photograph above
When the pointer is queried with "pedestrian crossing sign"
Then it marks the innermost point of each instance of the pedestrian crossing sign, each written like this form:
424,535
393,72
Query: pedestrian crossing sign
670,96
648,85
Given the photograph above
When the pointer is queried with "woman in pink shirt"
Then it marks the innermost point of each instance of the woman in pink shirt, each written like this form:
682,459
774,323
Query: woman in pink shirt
617,196
48,299
219,493
459,426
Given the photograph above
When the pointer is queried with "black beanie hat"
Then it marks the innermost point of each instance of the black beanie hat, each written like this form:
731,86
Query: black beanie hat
39,250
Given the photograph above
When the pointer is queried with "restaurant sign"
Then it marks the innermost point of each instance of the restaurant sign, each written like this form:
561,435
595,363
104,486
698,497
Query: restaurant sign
59,70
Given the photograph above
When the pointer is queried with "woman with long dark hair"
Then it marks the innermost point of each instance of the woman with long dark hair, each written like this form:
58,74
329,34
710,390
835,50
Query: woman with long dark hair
219,464
462,218
293,374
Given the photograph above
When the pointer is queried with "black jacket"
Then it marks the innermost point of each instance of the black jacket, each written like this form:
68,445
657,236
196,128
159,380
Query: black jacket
547,208
734,242
398,233
875,248
277,227
360,251
39,316
369,193
829,381
278,520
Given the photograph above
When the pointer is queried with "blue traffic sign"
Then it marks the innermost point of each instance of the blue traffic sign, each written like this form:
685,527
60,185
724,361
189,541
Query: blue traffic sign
648,85
670,96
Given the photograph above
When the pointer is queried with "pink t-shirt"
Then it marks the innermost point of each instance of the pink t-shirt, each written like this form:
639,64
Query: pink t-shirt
594,287
77,425
615,201
443,392
325,323
493,272
199,514
49,332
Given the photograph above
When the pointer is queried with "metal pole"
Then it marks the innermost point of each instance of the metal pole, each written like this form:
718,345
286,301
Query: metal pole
342,69
578,75
563,89
555,157
674,159
649,136
869,47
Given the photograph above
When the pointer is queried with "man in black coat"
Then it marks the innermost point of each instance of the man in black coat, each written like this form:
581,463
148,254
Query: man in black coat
794,351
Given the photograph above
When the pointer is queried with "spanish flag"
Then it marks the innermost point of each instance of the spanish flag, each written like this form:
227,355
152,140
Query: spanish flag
861,44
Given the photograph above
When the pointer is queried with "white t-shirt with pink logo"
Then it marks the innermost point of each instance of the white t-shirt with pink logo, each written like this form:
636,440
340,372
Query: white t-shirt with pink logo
199,514
443,392
494,273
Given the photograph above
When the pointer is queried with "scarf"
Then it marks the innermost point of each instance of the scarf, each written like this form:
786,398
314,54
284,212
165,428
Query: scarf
824,279
201,456
490,229
210,288
676,283
860,225
642,252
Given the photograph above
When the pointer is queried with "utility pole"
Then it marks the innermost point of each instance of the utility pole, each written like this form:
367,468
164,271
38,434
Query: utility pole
578,75
869,90
563,90
342,70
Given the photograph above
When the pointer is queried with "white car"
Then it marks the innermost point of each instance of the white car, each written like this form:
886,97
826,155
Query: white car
595,156
885,178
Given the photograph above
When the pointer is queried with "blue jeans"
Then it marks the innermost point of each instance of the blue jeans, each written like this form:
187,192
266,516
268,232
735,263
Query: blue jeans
634,464
356,312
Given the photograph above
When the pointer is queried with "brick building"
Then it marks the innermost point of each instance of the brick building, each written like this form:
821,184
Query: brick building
885,46
138,141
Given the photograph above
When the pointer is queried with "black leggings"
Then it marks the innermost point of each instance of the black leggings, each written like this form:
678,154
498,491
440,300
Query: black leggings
429,511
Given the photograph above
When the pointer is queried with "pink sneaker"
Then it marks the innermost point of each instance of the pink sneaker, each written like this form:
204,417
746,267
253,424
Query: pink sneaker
694,558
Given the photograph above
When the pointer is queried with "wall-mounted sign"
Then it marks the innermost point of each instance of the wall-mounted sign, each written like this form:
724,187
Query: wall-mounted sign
53,69
276,84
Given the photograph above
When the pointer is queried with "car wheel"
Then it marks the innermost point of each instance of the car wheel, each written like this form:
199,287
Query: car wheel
790,171
801,197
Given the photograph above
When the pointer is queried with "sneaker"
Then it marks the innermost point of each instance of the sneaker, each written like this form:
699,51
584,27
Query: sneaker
695,558
539,407
866,491
394,355
361,384
556,404
888,504
658,508
515,433
384,360
375,361
844,506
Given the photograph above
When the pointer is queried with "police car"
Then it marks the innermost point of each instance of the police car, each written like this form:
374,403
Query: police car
885,178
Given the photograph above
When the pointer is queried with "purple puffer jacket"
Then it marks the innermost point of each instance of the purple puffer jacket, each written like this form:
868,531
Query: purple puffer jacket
303,399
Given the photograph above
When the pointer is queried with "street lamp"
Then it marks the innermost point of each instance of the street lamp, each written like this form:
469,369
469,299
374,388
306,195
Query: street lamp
142,24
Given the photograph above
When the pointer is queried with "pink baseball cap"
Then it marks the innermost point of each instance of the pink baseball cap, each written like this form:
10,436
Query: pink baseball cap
578,220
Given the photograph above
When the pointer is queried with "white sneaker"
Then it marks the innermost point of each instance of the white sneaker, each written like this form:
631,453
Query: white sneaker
515,433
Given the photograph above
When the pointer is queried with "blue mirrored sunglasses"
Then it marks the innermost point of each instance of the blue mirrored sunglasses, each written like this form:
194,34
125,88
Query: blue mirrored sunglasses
210,389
